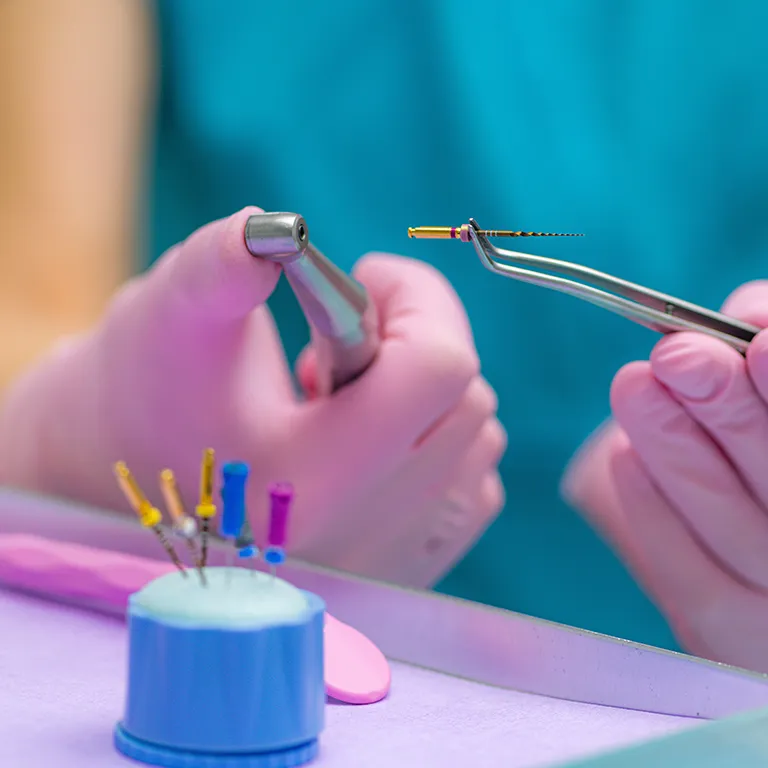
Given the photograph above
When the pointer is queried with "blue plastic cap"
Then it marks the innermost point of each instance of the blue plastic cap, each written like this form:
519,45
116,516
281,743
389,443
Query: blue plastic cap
246,552
154,754
235,468
184,708
234,477
274,556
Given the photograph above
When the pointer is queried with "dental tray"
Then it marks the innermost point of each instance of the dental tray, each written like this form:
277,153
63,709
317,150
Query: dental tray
469,683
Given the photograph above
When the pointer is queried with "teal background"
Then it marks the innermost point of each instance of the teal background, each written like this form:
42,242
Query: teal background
641,124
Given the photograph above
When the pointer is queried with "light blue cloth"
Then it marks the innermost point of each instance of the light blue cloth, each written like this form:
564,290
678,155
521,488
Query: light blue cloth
642,124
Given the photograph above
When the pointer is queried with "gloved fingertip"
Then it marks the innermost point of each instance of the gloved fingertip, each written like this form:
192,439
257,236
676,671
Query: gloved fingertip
493,495
573,483
640,404
749,303
247,281
694,366
757,355
630,382
399,284
306,372
213,274
580,480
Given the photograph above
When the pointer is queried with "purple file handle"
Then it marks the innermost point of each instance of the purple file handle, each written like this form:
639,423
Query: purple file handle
281,496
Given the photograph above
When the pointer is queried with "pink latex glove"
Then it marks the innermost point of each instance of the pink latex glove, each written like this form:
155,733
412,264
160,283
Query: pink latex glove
679,484
395,475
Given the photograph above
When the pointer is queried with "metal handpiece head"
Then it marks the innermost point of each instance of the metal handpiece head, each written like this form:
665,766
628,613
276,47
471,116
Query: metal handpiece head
337,307
278,237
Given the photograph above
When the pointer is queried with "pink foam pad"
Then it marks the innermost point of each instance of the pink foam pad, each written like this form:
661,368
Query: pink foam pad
75,572
356,671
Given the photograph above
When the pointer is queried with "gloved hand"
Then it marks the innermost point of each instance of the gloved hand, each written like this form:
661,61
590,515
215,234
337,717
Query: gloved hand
395,475
678,482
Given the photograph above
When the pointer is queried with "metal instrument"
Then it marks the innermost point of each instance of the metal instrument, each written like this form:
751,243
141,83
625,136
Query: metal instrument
341,317
652,309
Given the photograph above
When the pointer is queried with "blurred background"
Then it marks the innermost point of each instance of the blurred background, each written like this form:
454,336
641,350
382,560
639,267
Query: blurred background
125,125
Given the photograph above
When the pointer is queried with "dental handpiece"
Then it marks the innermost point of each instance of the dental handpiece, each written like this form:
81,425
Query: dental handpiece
340,314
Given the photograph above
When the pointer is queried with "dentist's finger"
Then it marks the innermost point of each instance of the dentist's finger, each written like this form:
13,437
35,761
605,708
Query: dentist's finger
210,279
681,577
425,365
710,380
193,331
712,614
692,473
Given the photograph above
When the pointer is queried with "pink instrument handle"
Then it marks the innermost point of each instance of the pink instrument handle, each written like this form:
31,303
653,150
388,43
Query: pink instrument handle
356,670
73,571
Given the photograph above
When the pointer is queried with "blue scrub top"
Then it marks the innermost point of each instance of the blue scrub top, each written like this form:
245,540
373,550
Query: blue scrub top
642,124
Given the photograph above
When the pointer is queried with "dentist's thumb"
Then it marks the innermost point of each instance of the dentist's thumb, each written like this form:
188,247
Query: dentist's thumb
207,281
